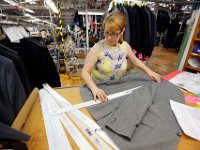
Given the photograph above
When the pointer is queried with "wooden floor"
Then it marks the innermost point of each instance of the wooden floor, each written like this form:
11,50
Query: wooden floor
162,61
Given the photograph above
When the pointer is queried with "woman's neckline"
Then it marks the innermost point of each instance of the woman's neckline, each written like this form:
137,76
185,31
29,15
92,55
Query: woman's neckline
104,42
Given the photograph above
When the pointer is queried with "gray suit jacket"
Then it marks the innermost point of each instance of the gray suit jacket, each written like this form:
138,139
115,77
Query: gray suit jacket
142,120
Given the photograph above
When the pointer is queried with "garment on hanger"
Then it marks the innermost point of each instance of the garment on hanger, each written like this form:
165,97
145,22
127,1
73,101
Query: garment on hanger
140,30
172,32
12,93
163,20
11,54
11,138
37,61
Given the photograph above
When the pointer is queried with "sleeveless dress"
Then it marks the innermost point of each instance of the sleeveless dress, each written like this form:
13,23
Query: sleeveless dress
112,62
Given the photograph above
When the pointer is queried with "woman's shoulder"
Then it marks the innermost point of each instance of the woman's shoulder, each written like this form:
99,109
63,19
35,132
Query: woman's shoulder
124,45
96,48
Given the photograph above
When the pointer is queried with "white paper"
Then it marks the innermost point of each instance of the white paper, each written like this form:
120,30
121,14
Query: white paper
188,119
188,81
23,31
13,34
16,33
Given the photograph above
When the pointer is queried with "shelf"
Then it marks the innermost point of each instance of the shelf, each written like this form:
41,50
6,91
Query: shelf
190,54
193,68
197,39
194,54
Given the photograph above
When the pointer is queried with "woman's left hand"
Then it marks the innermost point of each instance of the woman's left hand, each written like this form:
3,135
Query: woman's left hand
154,76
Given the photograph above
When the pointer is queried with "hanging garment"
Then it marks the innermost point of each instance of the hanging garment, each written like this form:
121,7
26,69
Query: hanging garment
135,27
153,30
145,26
140,31
11,54
39,63
11,138
12,93
171,33
163,21
121,8
141,120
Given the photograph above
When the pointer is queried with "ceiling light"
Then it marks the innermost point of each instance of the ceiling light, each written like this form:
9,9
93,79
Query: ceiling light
8,22
34,20
29,10
29,1
3,15
90,13
28,15
10,2
51,5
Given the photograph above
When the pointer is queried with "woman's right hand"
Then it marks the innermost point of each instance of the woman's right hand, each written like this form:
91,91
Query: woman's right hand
99,94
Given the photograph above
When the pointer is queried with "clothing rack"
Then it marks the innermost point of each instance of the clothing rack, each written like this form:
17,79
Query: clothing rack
158,1
140,27
174,2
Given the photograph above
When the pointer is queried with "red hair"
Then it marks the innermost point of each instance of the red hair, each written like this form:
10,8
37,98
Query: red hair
115,21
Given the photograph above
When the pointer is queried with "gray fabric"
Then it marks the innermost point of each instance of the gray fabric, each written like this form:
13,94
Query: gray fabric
142,120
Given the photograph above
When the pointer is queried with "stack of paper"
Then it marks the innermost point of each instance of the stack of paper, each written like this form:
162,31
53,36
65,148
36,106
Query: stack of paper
188,81
190,121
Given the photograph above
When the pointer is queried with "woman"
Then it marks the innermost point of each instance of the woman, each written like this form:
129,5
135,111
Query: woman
107,60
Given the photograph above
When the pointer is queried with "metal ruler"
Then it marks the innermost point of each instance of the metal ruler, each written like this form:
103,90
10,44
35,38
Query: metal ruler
88,132
53,127
93,102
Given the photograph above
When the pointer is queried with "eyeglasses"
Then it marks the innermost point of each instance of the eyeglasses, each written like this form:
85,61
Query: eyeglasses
113,35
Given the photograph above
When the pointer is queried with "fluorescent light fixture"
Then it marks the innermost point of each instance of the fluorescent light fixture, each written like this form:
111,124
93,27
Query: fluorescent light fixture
28,15
29,10
51,5
2,15
29,1
34,20
14,4
90,13
7,22
10,2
